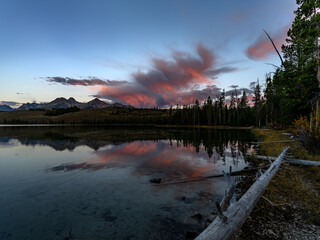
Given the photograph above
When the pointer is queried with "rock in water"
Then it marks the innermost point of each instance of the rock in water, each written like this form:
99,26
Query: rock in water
155,180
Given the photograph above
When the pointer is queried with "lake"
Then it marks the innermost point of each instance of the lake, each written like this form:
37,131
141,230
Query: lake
93,182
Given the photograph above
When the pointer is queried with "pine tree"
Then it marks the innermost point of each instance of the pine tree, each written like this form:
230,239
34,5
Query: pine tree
232,106
257,104
209,110
221,108
242,108
196,112
294,85
243,101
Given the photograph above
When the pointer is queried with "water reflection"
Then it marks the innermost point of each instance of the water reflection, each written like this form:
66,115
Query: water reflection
172,154
168,159
68,138
95,181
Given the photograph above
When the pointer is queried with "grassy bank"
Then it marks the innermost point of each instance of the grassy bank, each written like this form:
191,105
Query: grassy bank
294,192
87,116
298,183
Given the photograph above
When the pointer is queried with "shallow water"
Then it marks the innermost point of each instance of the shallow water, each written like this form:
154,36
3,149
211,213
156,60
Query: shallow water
93,182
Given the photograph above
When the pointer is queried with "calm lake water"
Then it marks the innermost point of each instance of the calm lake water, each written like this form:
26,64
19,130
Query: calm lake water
93,182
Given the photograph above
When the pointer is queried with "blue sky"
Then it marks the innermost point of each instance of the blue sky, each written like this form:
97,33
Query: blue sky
120,41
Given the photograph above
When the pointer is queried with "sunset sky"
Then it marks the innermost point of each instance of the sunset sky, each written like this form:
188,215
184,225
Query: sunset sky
144,53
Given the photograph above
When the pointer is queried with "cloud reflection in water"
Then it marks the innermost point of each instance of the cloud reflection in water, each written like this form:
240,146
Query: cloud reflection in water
168,159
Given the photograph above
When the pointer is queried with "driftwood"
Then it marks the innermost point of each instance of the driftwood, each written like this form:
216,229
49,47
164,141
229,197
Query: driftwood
235,173
227,226
302,162
293,161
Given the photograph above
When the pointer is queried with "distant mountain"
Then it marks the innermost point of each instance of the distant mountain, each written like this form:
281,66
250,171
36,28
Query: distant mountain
63,103
5,108
71,102
97,103
27,106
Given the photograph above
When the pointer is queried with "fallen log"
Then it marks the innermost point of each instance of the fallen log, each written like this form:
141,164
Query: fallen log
303,162
228,225
293,161
235,173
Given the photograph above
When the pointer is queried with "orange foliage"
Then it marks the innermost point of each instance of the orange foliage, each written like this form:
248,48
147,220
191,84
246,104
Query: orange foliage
306,126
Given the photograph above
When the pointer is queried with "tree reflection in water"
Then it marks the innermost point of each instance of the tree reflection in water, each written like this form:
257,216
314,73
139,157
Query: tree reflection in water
172,153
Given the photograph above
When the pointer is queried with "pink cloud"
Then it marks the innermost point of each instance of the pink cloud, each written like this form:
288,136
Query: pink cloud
148,156
181,78
170,81
128,94
262,48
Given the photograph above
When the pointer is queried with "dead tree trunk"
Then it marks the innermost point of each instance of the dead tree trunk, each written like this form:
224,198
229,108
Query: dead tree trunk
226,226
275,48
293,161
235,173
303,162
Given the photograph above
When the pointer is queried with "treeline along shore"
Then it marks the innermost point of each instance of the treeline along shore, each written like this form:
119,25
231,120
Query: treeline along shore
211,112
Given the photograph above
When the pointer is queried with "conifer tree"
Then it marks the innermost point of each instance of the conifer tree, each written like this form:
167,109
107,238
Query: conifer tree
294,85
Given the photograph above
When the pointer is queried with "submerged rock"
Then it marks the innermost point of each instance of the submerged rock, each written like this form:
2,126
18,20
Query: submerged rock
155,180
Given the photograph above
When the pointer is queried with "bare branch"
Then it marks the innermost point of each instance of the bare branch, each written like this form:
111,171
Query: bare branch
275,48
272,65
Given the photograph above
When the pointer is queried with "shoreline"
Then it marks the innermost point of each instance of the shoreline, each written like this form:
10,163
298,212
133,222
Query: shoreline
293,194
121,124
205,127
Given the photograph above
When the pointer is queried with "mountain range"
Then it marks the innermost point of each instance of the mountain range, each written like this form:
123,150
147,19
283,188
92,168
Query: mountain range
5,108
64,103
